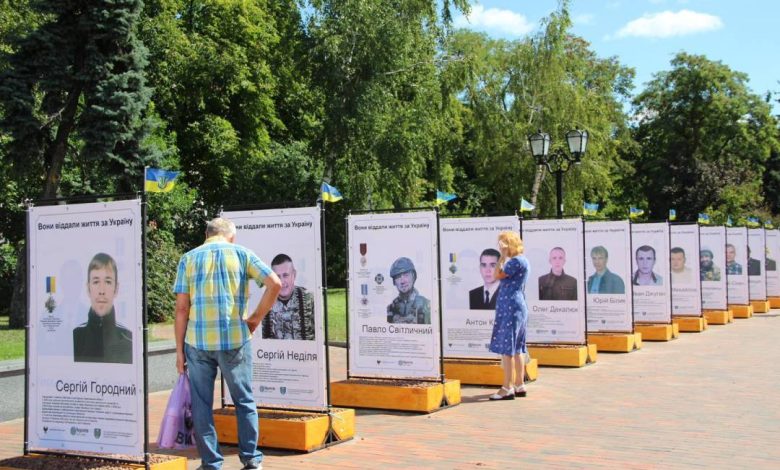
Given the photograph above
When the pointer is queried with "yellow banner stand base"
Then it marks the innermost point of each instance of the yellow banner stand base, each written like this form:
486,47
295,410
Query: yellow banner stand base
718,317
564,356
396,394
291,430
654,332
157,462
741,311
690,324
616,342
774,302
760,306
484,371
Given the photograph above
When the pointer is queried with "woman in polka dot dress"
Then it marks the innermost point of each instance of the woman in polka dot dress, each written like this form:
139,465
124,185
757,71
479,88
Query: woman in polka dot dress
508,338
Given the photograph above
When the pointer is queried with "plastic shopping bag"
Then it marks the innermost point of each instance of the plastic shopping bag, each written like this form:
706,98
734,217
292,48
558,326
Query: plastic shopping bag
176,431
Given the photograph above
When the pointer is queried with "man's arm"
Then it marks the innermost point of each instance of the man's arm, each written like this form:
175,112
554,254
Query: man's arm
180,328
272,287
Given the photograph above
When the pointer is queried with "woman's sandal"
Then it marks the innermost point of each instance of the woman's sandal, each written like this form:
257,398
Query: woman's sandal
509,394
521,391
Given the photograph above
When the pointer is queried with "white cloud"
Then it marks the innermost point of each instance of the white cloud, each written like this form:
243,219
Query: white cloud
668,23
585,18
495,20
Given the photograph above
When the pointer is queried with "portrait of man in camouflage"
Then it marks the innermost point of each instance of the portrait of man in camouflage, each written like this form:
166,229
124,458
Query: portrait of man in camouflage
409,306
292,315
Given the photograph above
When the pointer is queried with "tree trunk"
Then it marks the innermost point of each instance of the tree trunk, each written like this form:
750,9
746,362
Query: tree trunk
17,317
538,178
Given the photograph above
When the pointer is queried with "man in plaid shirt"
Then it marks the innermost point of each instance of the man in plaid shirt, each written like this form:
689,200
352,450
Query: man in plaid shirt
213,331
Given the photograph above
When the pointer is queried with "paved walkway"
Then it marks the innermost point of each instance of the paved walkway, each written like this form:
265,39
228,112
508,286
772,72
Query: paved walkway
706,400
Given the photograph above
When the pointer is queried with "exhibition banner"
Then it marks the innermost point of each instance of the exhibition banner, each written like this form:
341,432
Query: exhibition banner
756,263
650,277
554,291
608,274
289,364
736,262
772,252
712,265
469,259
86,367
393,295
684,265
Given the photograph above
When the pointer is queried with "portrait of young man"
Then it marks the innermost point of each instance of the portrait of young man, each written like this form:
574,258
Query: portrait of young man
681,273
709,271
732,267
408,306
645,262
484,296
102,338
603,281
292,315
557,285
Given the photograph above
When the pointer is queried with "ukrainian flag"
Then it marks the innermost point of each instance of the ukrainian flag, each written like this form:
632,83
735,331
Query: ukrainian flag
330,193
753,222
634,212
768,224
704,218
729,222
526,206
590,208
672,214
159,181
442,197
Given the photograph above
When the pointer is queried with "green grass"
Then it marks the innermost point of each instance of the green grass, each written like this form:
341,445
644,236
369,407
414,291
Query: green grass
337,315
12,341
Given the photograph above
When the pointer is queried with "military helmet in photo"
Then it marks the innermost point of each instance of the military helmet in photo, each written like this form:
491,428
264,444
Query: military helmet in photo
402,265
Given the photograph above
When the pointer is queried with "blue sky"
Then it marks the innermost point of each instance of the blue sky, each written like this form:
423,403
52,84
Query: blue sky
646,34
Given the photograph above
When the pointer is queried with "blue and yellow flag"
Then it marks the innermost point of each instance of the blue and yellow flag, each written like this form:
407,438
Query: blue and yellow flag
634,212
753,222
159,181
768,224
672,214
704,218
729,221
526,206
590,208
51,285
442,197
330,193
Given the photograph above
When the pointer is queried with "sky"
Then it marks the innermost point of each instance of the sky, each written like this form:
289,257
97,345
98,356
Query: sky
647,34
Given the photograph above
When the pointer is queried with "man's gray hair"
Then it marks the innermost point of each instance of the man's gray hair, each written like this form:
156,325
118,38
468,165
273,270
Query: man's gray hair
220,226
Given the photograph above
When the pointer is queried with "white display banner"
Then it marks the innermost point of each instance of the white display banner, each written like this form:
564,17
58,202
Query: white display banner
608,274
756,263
772,253
685,270
554,292
469,257
736,265
393,295
712,265
85,286
650,277
288,363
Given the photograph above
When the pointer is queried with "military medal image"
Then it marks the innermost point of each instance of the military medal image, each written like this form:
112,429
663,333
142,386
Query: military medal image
379,279
364,293
453,259
363,251
51,288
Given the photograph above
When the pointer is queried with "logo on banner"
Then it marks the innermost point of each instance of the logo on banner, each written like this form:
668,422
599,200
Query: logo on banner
45,429
363,251
364,293
283,390
97,433
552,331
379,279
51,289
453,259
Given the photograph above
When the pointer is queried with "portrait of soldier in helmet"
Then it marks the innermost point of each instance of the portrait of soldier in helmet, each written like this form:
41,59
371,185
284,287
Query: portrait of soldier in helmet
409,306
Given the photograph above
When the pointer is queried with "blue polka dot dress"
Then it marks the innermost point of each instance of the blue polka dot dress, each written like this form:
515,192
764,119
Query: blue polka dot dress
511,311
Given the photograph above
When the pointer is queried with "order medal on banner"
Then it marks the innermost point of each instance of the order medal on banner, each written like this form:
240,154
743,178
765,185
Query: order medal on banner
453,259
363,251
51,288
364,293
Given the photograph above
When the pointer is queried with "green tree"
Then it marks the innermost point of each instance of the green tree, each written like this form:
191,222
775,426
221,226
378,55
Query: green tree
704,139
73,96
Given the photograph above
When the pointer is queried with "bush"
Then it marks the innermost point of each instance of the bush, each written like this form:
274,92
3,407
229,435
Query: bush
7,274
161,261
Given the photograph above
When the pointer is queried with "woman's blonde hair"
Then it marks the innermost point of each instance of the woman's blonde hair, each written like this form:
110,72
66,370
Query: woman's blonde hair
510,245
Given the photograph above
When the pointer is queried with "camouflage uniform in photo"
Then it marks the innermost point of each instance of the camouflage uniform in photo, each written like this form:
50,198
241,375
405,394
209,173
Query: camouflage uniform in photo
287,320
410,307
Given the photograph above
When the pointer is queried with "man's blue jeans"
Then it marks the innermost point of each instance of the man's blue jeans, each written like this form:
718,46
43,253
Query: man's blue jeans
236,367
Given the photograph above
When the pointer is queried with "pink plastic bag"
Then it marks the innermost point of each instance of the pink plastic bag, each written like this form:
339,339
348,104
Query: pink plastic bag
176,431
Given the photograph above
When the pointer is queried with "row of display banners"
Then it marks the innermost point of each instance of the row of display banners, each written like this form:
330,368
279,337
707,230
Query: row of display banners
86,366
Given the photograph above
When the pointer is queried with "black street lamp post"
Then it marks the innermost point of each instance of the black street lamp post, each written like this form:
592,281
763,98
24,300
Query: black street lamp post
558,162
